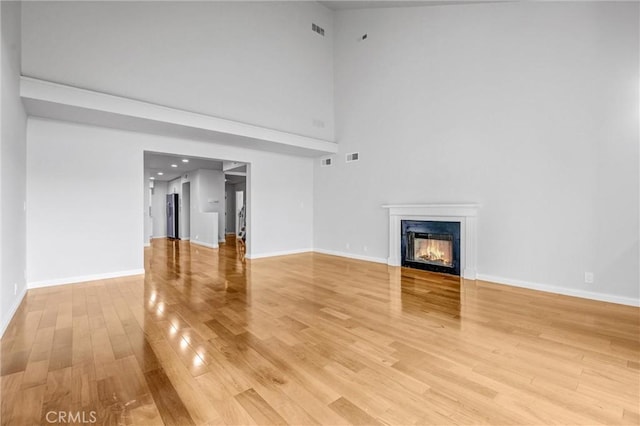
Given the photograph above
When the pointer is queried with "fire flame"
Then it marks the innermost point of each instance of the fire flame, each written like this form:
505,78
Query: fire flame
435,251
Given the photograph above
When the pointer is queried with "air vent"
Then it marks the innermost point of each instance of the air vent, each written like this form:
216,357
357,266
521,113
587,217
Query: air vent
317,29
326,162
354,156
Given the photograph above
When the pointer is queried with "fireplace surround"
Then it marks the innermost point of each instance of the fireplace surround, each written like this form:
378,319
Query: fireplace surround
464,213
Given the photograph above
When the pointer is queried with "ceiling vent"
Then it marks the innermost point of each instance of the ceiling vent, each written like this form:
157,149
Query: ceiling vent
317,29
326,162
354,156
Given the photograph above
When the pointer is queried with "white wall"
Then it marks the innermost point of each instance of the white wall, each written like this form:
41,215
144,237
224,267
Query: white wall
146,209
3,311
258,63
84,202
185,206
12,167
175,186
230,207
242,186
209,196
530,109
204,227
98,228
158,209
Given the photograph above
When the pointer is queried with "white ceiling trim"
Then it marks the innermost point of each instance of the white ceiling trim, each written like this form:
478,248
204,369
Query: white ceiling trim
58,101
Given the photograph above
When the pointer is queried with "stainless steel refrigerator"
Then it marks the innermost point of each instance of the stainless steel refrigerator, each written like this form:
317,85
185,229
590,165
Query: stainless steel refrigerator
172,216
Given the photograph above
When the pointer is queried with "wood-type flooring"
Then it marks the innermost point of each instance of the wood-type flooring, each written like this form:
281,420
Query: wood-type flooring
207,338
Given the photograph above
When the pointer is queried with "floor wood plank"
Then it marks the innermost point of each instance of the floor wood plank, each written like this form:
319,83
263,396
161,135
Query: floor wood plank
207,337
170,405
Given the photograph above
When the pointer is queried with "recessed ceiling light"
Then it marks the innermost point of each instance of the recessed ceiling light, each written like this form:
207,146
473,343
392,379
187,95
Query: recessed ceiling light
160,173
152,178
174,165
185,160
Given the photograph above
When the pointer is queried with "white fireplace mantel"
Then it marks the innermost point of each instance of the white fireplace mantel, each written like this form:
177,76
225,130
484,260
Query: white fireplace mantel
464,213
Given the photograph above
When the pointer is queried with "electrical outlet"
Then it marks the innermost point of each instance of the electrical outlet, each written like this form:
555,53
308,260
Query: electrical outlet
348,246
15,288
588,277
365,248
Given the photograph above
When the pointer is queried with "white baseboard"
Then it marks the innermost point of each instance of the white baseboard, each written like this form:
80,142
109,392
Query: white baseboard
352,255
12,311
603,297
224,240
469,274
84,278
277,253
200,243
147,244
584,294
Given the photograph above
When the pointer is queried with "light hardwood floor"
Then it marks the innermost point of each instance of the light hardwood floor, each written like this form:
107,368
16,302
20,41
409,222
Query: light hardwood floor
204,338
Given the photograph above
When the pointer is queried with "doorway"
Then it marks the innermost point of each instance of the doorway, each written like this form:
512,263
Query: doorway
200,186
236,196
240,211
185,211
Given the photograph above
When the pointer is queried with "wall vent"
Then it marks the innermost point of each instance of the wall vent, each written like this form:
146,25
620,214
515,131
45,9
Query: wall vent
354,156
317,29
326,162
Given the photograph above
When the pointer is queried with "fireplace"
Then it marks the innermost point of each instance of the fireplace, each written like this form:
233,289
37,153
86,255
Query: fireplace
431,245
464,215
